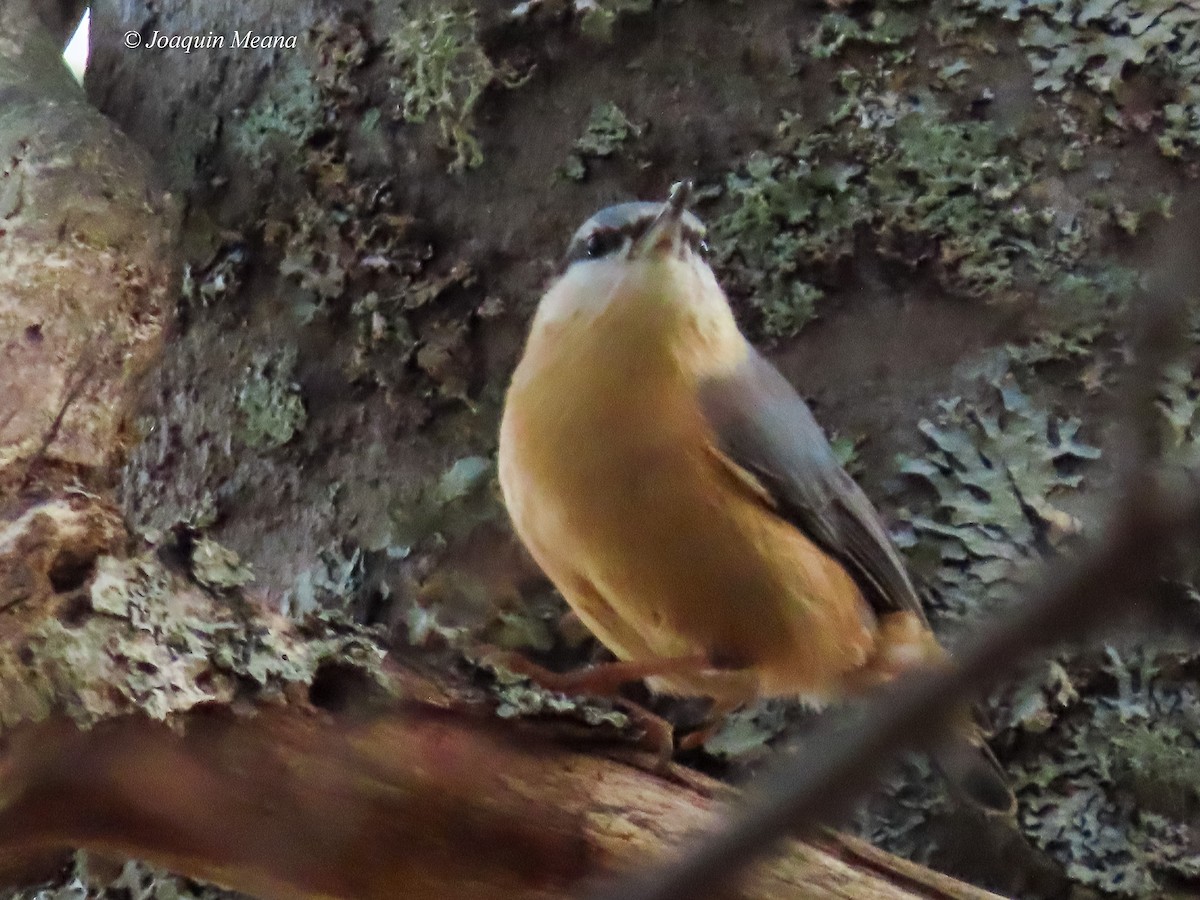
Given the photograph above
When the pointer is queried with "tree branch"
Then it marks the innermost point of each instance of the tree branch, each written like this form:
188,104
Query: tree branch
292,803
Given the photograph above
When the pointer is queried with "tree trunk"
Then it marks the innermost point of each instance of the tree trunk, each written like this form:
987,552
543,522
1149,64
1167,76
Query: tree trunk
343,237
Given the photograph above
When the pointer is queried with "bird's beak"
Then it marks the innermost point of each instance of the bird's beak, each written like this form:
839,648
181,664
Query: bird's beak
666,231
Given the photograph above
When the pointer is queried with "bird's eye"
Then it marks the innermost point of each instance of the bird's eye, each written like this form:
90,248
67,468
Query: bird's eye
602,243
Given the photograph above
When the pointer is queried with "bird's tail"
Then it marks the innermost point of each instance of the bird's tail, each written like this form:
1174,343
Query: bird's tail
973,770
905,642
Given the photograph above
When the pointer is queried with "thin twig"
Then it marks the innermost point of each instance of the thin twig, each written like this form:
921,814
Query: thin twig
827,781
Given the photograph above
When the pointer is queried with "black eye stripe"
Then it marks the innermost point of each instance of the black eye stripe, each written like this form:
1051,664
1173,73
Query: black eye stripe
604,241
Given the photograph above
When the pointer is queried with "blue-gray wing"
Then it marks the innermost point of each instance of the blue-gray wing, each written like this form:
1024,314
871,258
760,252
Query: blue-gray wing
763,426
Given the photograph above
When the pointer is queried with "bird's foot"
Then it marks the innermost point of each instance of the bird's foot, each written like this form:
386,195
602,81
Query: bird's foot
606,679
602,679
713,722
658,735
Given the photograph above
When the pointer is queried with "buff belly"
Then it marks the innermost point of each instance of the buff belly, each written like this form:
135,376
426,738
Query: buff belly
662,556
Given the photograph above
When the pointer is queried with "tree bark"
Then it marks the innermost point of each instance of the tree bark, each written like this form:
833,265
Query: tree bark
242,781
86,256
148,710
292,803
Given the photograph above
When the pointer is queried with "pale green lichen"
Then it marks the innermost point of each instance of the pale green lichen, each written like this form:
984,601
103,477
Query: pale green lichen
786,217
517,696
845,449
382,325
985,512
1103,754
520,630
272,412
607,129
136,881
219,279
337,236
349,240
1077,347
932,190
465,495
994,475
1057,345
1179,404
1099,45
424,627
443,72
597,18
1088,770
217,567
1181,123
1035,703
156,644
330,583
748,732
521,698
1111,790
1097,41
280,121
884,28
1086,305
901,166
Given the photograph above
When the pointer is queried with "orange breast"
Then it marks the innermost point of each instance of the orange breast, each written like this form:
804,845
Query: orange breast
612,481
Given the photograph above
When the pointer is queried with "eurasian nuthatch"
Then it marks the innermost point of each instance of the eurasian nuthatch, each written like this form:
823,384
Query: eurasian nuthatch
681,496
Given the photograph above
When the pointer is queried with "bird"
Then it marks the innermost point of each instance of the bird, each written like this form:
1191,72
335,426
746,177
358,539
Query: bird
680,495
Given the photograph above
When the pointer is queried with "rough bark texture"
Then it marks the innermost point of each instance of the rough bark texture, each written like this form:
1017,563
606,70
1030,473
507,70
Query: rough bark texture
369,216
288,803
84,266
151,707
145,716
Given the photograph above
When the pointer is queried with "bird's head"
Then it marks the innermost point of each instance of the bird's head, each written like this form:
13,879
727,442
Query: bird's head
629,232
647,256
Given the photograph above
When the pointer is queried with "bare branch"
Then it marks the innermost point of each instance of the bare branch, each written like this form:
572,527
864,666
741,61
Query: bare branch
412,802
826,782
